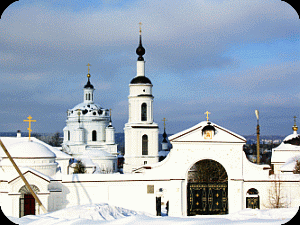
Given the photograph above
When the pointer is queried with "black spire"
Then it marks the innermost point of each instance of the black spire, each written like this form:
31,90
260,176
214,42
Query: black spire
140,51
165,136
88,84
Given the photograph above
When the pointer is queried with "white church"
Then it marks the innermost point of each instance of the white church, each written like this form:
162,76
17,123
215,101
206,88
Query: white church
206,171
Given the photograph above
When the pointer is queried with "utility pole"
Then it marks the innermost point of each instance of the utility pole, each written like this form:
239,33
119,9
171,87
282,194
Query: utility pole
257,140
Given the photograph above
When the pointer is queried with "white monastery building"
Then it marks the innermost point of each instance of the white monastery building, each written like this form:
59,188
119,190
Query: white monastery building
206,171
89,134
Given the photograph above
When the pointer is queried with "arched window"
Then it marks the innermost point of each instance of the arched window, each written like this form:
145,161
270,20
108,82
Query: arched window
69,136
144,112
94,135
89,96
145,145
252,199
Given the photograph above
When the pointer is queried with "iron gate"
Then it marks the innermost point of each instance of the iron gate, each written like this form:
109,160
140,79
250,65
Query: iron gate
207,198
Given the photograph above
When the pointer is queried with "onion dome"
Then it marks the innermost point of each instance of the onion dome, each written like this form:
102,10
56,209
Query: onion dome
209,127
140,51
165,137
140,80
88,84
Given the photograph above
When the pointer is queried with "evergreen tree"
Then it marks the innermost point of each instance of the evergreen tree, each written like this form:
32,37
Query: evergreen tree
79,167
297,167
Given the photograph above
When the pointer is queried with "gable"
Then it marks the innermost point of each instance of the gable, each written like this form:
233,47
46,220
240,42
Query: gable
33,178
207,132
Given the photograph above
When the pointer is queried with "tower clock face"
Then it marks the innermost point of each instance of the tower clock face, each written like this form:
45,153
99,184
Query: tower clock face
208,134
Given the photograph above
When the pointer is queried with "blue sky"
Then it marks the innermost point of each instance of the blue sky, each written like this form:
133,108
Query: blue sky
228,57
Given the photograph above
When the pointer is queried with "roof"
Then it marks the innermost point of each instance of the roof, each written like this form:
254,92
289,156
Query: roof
84,105
285,151
9,141
26,149
96,153
140,80
195,134
89,85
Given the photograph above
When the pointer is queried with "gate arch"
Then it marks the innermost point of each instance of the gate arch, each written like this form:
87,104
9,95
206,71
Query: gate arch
207,188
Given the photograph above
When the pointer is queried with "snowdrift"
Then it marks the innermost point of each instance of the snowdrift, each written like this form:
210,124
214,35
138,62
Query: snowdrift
104,213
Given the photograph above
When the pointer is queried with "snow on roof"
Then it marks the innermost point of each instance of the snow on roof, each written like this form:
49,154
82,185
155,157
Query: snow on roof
26,149
34,152
59,154
96,153
285,151
84,105
290,164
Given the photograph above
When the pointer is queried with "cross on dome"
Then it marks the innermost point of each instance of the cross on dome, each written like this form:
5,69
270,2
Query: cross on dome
164,119
29,127
140,23
89,75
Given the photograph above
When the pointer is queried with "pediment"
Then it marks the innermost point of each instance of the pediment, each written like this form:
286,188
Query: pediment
30,174
207,132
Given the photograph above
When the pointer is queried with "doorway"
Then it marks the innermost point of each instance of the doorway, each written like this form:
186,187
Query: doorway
207,189
27,201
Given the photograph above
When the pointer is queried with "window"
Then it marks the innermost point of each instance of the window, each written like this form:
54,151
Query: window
145,162
144,112
145,145
252,199
69,136
94,135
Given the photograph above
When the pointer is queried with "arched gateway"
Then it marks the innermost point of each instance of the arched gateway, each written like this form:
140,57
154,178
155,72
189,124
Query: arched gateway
207,189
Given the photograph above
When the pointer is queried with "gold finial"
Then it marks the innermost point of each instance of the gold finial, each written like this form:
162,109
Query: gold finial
164,119
295,128
110,112
140,27
88,75
29,127
207,113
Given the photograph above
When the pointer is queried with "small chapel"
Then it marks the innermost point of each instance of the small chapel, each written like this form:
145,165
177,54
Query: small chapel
205,172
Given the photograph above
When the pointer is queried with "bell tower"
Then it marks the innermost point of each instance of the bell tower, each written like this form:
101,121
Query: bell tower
141,133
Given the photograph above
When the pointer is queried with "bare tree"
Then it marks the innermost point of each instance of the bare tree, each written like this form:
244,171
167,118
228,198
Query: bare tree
276,194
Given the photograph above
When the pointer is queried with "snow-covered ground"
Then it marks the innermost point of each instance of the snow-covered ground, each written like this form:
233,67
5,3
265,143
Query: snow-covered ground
106,214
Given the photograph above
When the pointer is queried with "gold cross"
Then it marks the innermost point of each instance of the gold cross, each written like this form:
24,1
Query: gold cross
164,122
295,117
29,128
88,65
140,27
207,113
110,112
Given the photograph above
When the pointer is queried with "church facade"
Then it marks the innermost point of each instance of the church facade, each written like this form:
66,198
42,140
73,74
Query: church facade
206,171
